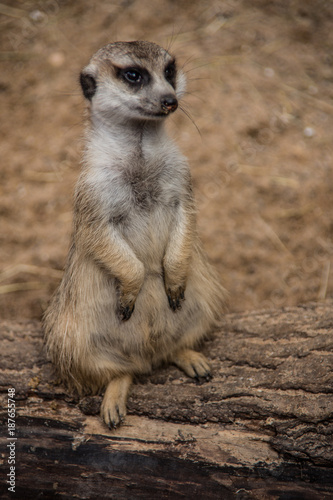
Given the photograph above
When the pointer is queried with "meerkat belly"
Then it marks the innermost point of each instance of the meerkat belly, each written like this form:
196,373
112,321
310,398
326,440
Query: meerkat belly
148,235
154,331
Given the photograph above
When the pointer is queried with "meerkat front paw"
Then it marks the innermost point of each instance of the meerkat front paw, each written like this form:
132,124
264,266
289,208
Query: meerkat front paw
193,363
127,292
125,306
113,409
124,312
176,297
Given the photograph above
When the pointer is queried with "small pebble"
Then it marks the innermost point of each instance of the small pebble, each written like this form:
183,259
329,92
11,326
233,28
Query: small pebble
312,90
309,132
56,59
269,72
37,16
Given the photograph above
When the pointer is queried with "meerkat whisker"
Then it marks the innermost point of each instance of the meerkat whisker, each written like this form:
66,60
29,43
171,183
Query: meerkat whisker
190,118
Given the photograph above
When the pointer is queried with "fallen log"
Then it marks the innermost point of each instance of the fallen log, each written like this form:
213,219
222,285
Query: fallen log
260,429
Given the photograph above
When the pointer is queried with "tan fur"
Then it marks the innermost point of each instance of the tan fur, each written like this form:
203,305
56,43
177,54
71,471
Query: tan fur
137,288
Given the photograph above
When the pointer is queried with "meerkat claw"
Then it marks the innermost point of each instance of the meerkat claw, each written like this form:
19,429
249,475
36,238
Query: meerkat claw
206,377
116,420
176,298
111,423
174,304
125,312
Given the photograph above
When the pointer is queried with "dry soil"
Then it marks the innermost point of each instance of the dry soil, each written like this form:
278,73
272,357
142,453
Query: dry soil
260,98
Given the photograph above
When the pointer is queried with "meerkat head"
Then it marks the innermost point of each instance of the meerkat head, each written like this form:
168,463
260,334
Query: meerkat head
132,80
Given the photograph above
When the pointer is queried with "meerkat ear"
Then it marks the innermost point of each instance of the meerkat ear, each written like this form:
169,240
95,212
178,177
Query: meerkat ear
88,84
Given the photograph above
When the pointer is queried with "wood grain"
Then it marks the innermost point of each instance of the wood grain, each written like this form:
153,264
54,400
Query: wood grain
262,428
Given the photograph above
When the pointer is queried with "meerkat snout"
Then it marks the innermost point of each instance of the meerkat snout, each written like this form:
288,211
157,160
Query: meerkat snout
169,103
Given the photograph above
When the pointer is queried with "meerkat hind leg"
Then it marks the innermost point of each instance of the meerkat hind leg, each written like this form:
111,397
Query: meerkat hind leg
193,363
113,409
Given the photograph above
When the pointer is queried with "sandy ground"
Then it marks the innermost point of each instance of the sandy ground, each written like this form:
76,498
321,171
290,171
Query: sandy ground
260,92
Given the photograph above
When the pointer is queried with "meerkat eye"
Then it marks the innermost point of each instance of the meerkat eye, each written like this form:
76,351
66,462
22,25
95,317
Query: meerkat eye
170,73
133,76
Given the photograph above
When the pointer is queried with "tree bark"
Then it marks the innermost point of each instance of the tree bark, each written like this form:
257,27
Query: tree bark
260,429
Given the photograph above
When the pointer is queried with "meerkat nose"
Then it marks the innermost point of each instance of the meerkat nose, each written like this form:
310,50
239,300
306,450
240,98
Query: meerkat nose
169,103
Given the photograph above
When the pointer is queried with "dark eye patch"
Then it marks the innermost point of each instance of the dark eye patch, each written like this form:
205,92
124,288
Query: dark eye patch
170,73
135,77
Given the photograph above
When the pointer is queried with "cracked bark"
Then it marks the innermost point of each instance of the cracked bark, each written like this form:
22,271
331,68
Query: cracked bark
262,428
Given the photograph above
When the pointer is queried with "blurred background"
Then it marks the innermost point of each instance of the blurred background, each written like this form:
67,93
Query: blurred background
260,92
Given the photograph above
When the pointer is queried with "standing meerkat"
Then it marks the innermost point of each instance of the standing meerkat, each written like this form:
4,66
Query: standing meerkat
137,289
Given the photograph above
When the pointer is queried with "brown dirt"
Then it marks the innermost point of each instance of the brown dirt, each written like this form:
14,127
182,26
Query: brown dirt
260,91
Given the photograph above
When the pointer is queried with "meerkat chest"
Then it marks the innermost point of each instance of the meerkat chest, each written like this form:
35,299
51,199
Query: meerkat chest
152,183
152,190
144,189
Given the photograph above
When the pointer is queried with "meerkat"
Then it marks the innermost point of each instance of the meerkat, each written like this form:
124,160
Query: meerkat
137,288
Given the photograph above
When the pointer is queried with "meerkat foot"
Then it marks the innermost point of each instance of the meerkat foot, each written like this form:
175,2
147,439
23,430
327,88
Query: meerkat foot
193,363
113,409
